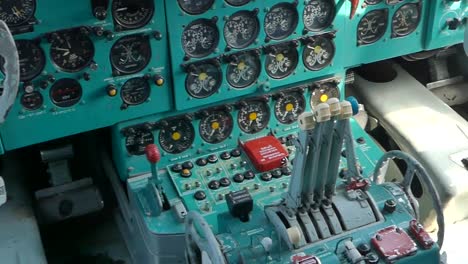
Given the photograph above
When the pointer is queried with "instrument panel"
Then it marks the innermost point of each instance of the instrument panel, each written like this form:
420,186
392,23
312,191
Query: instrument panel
88,66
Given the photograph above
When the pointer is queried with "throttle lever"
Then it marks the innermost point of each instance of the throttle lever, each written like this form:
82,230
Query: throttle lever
354,6
11,70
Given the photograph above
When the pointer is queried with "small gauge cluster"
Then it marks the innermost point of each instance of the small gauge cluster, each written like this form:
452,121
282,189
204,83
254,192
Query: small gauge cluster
102,67
397,18
234,48
274,113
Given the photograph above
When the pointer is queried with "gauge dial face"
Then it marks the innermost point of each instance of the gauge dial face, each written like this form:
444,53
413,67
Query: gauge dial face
203,80
373,2
253,117
372,27
237,2
241,29
406,20
281,61
32,101
177,136
200,38
324,92
131,54
66,92
289,107
281,21
71,51
319,15
318,54
132,14
31,59
137,142
216,127
243,71
135,91
17,12
195,7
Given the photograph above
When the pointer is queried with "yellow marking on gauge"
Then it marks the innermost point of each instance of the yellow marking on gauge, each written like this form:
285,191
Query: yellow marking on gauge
289,107
203,76
253,116
324,98
241,66
176,136
215,125
317,49
280,57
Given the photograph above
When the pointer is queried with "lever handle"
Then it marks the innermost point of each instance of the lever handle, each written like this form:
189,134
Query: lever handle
152,154
354,6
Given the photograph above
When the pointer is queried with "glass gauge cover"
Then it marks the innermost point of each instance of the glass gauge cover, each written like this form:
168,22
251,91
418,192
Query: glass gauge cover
131,14
405,20
131,54
200,38
319,15
216,126
241,29
32,101
177,136
289,107
318,53
203,80
237,2
323,92
372,26
31,59
244,70
195,7
71,51
281,21
253,117
17,12
281,61
137,142
66,92
135,91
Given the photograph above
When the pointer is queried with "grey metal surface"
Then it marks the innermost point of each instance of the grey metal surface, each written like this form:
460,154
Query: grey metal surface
357,214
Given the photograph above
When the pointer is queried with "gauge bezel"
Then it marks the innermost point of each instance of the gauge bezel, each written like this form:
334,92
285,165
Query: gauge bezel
299,96
140,24
254,36
291,29
176,122
207,22
230,128
201,11
28,17
384,18
258,65
282,47
139,132
38,106
417,7
59,84
318,87
144,40
147,90
330,20
219,77
267,112
243,2
306,48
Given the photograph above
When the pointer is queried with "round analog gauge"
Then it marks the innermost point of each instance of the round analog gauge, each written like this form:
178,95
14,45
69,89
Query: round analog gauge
405,20
132,14
203,80
323,92
237,2
177,136
373,2
372,26
131,54
17,12
195,7
32,101
281,21
318,53
216,127
253,117
66,92
281,61
200,38
137,142
31,59
241,29
319,15
289,107
243,71
71,51
135,91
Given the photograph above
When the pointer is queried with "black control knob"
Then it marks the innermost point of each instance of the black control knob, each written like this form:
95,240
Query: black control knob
240,204
111,90
99,8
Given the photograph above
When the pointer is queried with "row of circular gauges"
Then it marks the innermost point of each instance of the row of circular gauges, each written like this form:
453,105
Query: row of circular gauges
73,50
68,92
373,25
201,37
127,14
242,70
215,125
